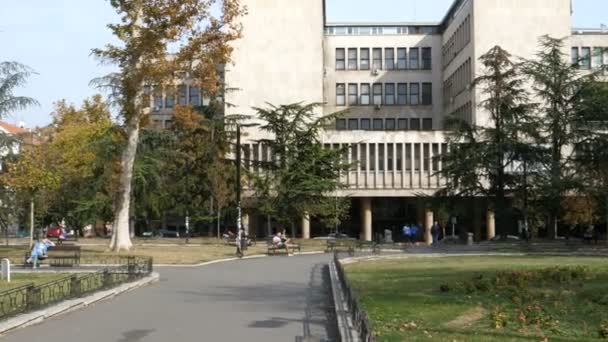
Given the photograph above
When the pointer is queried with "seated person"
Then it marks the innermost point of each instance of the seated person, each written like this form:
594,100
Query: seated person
38,253
63,235
279,241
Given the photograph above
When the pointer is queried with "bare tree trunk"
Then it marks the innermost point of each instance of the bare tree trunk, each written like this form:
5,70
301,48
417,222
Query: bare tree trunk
31,222
219,214
120,227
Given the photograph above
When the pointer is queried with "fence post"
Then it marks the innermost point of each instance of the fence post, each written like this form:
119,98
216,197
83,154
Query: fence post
107,278
150,265
32,297
75,286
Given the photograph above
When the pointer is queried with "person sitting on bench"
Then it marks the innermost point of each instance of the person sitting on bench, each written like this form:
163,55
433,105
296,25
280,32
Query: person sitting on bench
39,251
590,234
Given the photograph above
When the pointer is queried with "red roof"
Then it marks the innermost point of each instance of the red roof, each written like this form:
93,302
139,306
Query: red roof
12,129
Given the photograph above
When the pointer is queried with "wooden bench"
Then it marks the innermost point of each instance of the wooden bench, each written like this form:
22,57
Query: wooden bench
60,256
361,245
341,245
273,249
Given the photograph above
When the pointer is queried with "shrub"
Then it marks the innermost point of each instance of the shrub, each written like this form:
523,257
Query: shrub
603,330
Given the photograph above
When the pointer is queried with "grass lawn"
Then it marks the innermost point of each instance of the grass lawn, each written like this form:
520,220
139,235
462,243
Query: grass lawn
164,251
484,298
20,279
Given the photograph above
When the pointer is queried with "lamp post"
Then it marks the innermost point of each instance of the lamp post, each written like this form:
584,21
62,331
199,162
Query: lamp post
187,223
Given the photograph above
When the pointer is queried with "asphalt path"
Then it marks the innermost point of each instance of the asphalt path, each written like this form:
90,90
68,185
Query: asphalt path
266,299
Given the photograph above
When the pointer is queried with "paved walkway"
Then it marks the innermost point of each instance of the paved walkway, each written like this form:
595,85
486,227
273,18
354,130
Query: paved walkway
267,299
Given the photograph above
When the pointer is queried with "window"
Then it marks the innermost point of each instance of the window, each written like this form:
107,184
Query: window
168,124
436,157
415,124
364,59
182,92
389,94
353,157
377,61
426,59
363,157
195,96
414,59
426,150
585,58
378,124
389,124
408,157
597,57
427,94
365,124
340,94
401,58
402,124
352,59
380,157
353,124
340,63
352,94
377,93
417,157
574,56
158,98
390,157
399,157
341,124
170,101
365,94
414,94
427,124
402,94
389,58
372,157
606,56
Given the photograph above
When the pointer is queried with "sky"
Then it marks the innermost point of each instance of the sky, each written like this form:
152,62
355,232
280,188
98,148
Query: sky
55,38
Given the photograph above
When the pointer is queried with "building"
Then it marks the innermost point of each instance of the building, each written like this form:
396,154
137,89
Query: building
398,81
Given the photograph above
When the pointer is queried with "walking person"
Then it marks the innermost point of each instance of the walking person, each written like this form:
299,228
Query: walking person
435,229
241,242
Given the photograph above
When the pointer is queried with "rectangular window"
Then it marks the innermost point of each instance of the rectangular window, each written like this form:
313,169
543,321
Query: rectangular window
364,59
427,124
585,58
158,98
401,58
340,59
597,58
366,124
426,150
389,58
352,59
256,157
377,93
380,157
353,96
402,94
389,94
426,59
341,124
365,94
372,157
169,101
363,157
605,56
416,157
378,124
414,59
574,56
195,96
414,94
389,124
377,59
402,124
436,157
427,94
340,94
247,156
182,93
353,157
399,157
390,165
353,124
415,124
408,157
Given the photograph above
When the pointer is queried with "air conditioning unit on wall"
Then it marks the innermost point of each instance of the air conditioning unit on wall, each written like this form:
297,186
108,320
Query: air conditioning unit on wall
375,72
377,107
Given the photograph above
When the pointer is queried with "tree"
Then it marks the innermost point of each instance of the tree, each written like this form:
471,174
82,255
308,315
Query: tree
302,175
480,157
162,41
13,75
557,83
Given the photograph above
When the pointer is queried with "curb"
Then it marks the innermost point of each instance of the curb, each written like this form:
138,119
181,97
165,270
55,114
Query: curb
343,317
207,263
70,305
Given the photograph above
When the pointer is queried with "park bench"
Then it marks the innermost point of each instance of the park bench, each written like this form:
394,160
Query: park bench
60,256
341,245
361,245
273,249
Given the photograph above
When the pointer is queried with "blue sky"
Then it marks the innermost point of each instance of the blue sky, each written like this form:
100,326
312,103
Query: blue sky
55,37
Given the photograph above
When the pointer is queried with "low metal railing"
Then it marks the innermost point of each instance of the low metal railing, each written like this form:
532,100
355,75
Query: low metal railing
359,317
30,297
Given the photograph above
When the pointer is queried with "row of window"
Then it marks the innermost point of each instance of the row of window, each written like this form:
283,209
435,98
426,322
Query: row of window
464,112
359,59
388,124
459,39
584,59
183,95
457,82
389,94
379,30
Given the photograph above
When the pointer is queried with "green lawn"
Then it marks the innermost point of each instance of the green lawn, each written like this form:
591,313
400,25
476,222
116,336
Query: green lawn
20,279
465,299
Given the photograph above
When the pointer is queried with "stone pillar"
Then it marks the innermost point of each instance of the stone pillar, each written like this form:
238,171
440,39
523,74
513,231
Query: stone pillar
490,224
428,223
306,226
366,219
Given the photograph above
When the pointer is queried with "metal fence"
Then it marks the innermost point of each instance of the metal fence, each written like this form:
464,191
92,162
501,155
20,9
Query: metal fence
30,297
359,317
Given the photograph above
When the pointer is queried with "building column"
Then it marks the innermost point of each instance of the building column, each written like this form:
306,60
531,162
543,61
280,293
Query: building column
306,226
366,219
491,224
428,223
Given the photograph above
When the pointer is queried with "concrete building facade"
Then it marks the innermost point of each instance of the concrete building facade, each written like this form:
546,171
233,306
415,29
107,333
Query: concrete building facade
397,81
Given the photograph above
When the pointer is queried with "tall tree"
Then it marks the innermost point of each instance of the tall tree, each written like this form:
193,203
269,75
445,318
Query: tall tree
481,157
13,75
162,41
302,174
557,83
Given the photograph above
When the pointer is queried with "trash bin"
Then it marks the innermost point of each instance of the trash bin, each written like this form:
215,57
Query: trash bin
470,239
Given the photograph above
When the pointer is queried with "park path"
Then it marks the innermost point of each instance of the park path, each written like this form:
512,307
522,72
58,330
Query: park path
265,299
